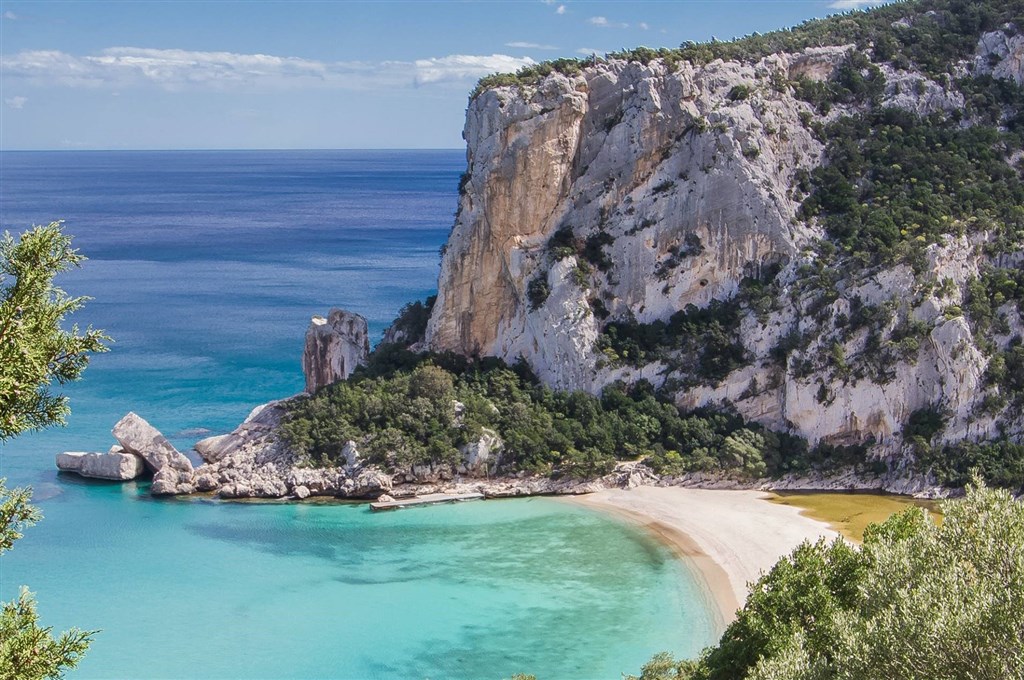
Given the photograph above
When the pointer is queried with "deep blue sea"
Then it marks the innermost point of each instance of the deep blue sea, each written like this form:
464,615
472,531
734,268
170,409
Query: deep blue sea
205,268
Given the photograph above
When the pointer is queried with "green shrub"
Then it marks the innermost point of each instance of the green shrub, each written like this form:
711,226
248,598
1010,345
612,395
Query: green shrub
538,290
917,600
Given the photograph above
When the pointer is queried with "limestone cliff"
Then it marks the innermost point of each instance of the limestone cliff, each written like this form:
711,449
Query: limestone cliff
335,346
625,191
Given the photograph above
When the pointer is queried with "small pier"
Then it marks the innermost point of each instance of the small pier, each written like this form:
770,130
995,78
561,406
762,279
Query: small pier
426,499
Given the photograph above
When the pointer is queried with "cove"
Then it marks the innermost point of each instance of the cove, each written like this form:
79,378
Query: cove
198,588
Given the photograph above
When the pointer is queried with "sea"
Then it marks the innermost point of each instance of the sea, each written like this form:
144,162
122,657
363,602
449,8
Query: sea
205,268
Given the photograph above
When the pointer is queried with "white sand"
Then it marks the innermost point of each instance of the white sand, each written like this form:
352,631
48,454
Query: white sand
732,537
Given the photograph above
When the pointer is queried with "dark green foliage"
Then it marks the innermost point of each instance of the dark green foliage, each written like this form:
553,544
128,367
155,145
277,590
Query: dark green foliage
895,183
705,341
399,410
857,81
916,601
538,290
941,33
739,93
924,423
563,243
1001,462
985,295
412,320
662,187
593,250
1006,372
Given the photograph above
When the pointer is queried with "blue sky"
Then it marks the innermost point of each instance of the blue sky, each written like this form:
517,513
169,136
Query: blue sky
327,74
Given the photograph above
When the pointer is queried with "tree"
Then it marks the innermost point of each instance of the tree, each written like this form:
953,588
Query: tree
35,352
917,601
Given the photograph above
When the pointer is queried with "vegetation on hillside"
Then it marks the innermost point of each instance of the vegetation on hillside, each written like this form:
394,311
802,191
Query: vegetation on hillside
916,601
401,410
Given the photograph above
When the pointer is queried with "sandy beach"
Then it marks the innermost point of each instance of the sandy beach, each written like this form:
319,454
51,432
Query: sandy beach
731,537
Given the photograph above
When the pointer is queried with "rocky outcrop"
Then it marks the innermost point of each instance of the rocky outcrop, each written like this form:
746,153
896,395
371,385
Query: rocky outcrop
137,436
1001,54
335,346
260,421
172,470
116,465
483,456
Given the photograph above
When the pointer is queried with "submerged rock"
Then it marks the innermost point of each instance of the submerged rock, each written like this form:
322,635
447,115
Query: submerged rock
335,346
116,465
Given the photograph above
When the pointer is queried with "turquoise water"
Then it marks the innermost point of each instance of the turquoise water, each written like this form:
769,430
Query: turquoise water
205,267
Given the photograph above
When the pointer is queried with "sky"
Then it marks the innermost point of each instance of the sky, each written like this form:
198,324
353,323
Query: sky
325,74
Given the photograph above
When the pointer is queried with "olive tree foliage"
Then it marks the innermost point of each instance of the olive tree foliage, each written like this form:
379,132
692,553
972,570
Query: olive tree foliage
35,353
916,601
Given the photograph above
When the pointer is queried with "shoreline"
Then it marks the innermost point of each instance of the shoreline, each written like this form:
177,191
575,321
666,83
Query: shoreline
726,537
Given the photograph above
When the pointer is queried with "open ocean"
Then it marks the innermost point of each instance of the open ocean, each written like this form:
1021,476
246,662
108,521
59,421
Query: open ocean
205,268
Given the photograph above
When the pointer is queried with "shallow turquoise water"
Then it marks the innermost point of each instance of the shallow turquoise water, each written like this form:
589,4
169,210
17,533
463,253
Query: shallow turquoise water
205,267
484,589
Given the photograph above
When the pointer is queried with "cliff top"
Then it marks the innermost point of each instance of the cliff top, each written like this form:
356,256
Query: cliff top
930,35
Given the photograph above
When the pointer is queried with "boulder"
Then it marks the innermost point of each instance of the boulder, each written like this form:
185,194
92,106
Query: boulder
335,346
206,482
483,455
137,436
351,455
169,481
213,449
300,492
369,484
117,466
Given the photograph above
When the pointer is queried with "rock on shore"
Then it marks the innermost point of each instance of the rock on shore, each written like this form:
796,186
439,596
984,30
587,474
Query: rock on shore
116,465
137,436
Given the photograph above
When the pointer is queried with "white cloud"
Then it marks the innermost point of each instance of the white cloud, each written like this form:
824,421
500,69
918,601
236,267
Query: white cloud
10,16
530,46
854,4
603,22
643,25
178,70
16,102
465,67
560,9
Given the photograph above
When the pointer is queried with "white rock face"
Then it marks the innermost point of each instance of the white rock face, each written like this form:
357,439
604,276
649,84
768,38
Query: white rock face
137,436
483,456
335,346
690,185
117,466
1001,54
691,175
262,419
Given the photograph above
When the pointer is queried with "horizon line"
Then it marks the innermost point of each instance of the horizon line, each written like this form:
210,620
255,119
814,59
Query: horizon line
348,148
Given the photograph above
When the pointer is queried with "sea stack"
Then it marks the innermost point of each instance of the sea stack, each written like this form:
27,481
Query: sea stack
335,346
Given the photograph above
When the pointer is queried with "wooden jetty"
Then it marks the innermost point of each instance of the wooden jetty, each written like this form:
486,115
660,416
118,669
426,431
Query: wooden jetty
426,499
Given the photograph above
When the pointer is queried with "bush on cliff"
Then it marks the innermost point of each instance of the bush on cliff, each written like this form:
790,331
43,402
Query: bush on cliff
916,601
